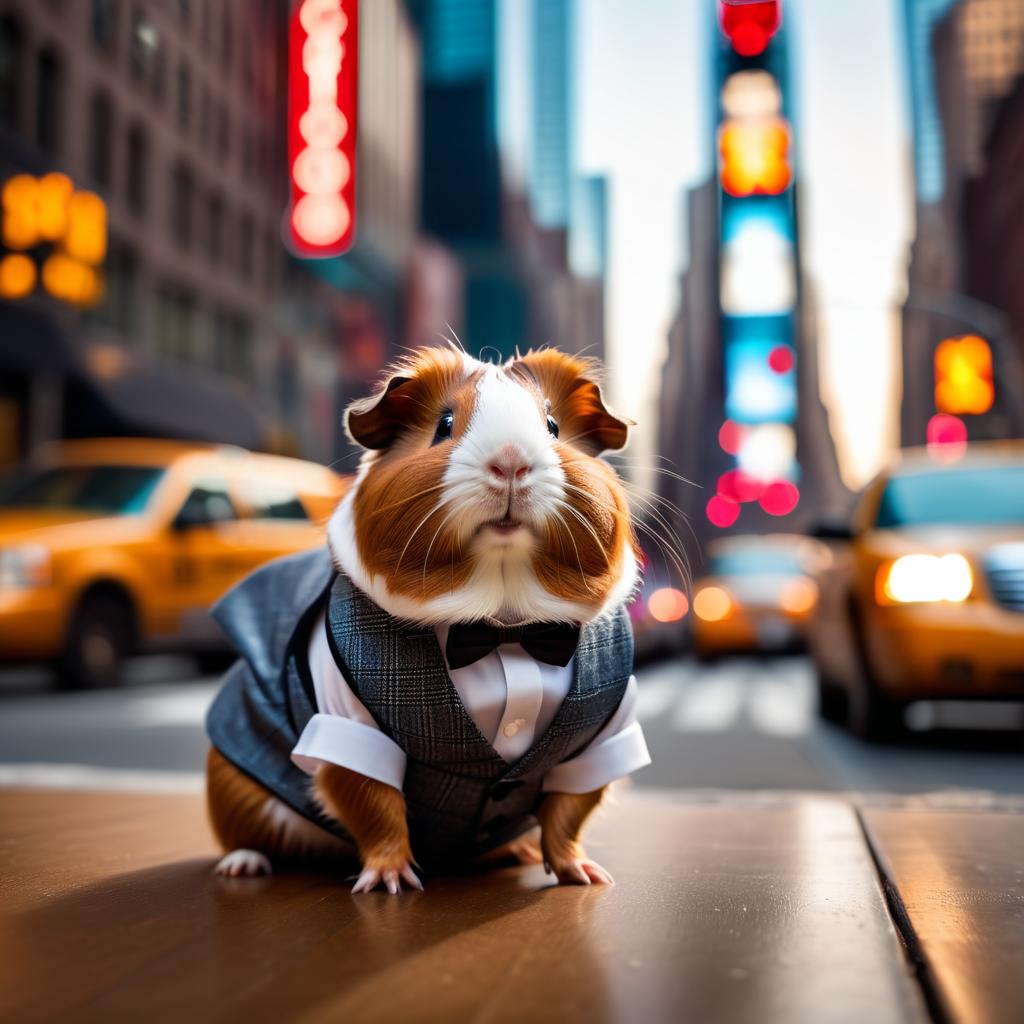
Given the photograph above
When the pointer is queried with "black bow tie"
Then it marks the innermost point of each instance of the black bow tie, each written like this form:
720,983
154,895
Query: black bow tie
554,643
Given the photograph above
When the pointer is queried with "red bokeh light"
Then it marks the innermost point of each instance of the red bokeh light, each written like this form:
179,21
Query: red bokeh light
721,512
781,359
946,437
730,437
750,24
737,486
779,498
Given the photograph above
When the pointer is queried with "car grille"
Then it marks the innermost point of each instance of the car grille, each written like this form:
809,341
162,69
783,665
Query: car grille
1004,568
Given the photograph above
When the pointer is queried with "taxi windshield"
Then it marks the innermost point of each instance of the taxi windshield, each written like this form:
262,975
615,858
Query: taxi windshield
970,496
756,561
115,490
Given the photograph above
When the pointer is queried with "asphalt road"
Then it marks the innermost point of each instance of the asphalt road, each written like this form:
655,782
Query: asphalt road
742,723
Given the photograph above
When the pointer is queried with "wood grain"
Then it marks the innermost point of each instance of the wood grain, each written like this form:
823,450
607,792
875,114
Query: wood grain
722,912
960,876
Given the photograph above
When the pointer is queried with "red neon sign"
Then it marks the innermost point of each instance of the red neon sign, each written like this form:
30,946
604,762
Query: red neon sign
322,107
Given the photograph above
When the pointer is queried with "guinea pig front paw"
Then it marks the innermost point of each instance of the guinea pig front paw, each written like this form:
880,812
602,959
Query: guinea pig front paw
389,872
579,871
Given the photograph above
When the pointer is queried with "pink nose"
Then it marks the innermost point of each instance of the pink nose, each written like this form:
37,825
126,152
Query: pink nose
509,464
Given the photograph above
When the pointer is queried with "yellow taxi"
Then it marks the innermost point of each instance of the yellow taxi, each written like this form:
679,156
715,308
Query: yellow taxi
925,596
112,546
756,594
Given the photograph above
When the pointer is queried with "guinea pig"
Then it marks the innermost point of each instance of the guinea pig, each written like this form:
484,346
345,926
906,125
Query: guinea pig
459,670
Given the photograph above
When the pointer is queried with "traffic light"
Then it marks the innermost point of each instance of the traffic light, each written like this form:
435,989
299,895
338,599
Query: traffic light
750,24
755,157
963,376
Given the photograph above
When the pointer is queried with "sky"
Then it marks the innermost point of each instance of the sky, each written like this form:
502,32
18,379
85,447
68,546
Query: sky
643,111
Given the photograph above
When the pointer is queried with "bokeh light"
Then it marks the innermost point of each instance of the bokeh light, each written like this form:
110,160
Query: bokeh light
963,376
730,437
17,276
712,604
737,486
668,604
781,358
946,437
721,512
779,498
798,596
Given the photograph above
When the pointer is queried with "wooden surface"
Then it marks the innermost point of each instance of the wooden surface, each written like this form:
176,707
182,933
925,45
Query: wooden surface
960,877
753,914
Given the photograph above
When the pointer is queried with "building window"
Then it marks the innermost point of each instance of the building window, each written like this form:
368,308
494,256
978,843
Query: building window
137,169
117,311
223,133
246,245
49,101
249,155
205,118
227,42
175,329
215,229
147,53
104,24
181,205
184,96
101,139
11,39
231,346
271,255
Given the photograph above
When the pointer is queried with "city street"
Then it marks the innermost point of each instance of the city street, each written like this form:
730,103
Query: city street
736,724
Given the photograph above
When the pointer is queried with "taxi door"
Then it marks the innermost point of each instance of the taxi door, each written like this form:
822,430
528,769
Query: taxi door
205,558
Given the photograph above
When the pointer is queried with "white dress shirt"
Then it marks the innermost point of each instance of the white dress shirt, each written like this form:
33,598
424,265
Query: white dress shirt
512,699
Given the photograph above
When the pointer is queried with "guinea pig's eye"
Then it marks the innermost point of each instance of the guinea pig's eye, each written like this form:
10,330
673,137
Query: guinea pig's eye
445,425
552,427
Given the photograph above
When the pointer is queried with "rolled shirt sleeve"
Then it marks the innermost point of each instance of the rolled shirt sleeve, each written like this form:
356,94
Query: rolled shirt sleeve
616,751
343,732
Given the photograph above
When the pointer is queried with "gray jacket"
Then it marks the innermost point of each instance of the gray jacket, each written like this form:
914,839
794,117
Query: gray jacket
462,797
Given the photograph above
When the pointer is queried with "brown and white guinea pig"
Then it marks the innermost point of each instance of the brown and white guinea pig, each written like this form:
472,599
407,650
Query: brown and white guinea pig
480,495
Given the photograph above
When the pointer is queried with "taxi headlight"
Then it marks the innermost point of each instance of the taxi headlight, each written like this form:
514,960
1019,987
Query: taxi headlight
22,567
713,604
919,579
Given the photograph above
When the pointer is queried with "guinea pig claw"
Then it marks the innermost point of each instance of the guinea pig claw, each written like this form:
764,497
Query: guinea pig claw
410,876
583,872
367,881
391,879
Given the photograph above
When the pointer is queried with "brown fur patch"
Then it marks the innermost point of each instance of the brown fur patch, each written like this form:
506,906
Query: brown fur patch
400,532
245,815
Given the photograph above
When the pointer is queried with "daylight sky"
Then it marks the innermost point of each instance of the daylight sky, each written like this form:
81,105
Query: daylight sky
642,118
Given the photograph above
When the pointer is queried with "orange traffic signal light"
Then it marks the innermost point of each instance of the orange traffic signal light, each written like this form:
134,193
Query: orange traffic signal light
963,376
755,156
48,210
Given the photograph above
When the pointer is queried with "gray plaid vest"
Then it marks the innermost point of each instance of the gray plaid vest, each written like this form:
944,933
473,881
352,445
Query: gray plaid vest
462,797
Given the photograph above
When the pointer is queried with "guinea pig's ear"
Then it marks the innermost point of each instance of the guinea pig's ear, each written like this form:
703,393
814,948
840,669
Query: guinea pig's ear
376,421
570,384
596,428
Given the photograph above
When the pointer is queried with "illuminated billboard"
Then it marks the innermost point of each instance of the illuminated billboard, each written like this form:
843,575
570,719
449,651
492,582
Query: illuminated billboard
323,99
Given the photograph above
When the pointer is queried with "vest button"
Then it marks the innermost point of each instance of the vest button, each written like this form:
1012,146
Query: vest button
513,727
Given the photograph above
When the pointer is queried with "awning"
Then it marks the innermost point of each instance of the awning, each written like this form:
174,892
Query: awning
119,394
30,342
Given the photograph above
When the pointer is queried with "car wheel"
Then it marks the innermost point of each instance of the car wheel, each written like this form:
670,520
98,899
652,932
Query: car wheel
99,640
871,714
